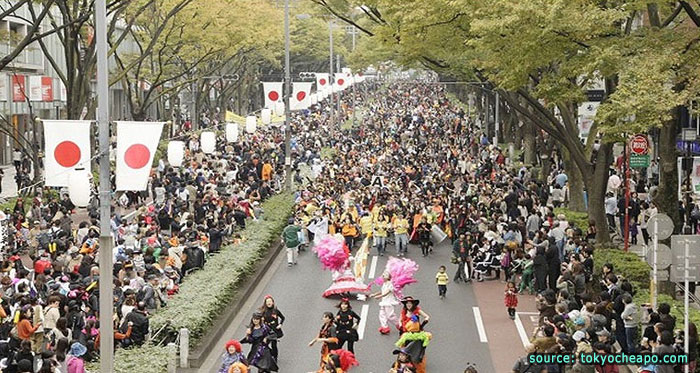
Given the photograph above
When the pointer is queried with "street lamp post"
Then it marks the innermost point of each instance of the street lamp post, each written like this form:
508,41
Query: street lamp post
106,302
287,113
330,64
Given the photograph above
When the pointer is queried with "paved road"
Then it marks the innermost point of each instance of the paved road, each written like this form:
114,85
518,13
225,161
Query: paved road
298,293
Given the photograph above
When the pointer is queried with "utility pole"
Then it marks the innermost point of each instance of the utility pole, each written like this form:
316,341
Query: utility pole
330,64
354,92
497,124
106,302
287,113
337,62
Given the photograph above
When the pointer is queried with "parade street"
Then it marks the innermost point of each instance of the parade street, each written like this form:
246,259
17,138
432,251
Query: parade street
458,338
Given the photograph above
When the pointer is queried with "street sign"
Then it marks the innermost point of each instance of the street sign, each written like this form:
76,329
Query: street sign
639,161
665,225
663,257
677,273
595,95
377,181
678,249
639,145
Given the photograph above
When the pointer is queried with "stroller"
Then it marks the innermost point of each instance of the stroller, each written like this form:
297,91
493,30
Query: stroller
485,262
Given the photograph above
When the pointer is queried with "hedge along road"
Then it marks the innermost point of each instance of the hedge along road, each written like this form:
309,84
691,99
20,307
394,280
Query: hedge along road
297,291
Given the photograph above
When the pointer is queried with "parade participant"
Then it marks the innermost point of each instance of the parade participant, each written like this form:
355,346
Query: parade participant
238,367
335,256
424,229
339,361
231,355
273,318
387,302
403,362
398,274
346,321
415,340
327,335
442,280
410,309
259,335
290,235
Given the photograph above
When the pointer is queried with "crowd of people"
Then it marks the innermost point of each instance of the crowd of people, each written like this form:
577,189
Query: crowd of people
49,274
417,170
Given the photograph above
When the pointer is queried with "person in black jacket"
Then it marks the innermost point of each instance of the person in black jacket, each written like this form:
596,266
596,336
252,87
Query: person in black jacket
274,319
553,265
346,321
139,324
539,263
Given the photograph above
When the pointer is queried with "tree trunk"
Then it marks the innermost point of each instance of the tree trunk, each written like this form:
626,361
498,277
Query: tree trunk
576,202
596,183
666,198
529,143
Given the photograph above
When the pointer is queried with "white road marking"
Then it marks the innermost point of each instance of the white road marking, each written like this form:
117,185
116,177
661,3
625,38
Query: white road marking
363,321
373,267
521,329
480,325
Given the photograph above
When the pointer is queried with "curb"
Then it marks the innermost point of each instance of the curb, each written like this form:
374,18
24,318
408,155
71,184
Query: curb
218,327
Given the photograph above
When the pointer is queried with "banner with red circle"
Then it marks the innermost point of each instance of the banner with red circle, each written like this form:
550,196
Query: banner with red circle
301,96
67,145
136,146
272,92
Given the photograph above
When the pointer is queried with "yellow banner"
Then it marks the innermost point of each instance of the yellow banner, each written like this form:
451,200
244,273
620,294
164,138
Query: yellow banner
361,259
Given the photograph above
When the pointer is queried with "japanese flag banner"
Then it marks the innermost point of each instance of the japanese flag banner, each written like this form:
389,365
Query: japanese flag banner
341,81
301,97
67,144
322,81
273,93
136,145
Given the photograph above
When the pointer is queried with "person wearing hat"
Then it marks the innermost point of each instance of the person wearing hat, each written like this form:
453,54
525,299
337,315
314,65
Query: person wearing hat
74,361
259,335
605,337
232,355
403,363
410,309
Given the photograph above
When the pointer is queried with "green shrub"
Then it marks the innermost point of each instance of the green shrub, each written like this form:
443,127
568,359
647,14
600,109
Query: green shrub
626,264
144,359
205,293
580,219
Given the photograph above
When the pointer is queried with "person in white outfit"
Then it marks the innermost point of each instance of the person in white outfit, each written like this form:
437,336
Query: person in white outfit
387,302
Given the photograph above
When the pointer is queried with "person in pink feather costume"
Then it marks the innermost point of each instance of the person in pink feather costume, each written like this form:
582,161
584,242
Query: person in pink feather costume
335,257
398,274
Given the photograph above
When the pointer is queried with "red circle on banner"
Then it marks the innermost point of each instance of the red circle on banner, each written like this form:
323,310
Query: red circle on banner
273,95
137,156
639,145
341,81
301,95
322,81
67,154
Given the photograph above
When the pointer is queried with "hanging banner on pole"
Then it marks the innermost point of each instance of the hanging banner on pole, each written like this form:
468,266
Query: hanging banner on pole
301,97
694,177
136,147
67,144
273,93
322,81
